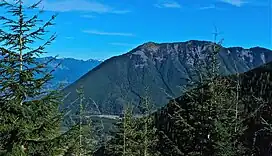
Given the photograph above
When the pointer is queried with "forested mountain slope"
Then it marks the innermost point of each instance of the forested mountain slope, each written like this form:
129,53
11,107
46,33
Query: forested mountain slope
162,68
255,103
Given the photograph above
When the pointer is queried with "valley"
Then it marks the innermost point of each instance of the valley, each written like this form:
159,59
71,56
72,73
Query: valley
163,84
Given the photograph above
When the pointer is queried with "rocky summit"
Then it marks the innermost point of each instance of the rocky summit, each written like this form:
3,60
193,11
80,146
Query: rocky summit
157,70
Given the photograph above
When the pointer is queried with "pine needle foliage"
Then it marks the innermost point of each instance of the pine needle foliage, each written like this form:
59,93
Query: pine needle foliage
206,120
30,119
83,143
124,142
147,131
135,135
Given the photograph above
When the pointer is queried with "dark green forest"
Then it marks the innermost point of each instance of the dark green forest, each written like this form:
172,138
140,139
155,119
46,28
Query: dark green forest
215,114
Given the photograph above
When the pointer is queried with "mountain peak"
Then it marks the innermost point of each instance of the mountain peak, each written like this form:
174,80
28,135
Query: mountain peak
154,53
159,66
151,46
189,42
197,42
147,44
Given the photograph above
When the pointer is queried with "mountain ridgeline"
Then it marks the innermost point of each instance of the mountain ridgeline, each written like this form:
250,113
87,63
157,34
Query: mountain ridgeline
69,69
180,125
158,71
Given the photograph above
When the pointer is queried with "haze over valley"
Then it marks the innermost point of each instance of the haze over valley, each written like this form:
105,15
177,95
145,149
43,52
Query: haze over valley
135,78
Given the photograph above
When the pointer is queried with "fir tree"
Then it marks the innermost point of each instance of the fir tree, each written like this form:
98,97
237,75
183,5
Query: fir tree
124,142
30,119
135,136
83,143
206,119
146,130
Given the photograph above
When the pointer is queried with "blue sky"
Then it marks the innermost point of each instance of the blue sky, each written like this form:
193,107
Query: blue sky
100,29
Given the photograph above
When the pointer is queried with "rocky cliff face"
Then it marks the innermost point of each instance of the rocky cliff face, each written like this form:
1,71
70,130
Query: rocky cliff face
157,71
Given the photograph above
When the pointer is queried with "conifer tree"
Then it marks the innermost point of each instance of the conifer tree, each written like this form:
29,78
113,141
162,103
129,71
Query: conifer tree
135,135
83,143
124,142
206,118
146,131
101,135
30,119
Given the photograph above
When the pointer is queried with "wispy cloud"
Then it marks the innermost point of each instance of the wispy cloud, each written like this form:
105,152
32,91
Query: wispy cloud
77,5
69,38
168,4
237,3
87,16
121,11
95,32
121,44
211,7
207,7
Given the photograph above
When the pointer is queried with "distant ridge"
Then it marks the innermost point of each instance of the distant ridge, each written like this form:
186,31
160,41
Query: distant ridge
162,67
70,69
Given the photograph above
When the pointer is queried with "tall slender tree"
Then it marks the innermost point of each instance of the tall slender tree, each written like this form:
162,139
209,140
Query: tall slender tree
147,131
206,119
124,142
30,119
83,143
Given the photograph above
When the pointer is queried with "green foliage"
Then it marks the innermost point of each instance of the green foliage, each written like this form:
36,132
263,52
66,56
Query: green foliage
83,143
134,136
124,141
146,130
210,119
206,120
30,118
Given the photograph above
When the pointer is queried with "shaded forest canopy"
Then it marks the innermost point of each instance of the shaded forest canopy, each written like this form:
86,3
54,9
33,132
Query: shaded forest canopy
215,116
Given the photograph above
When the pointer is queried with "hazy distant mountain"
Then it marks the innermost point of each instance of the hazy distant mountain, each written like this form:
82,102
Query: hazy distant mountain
70,69
160,67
